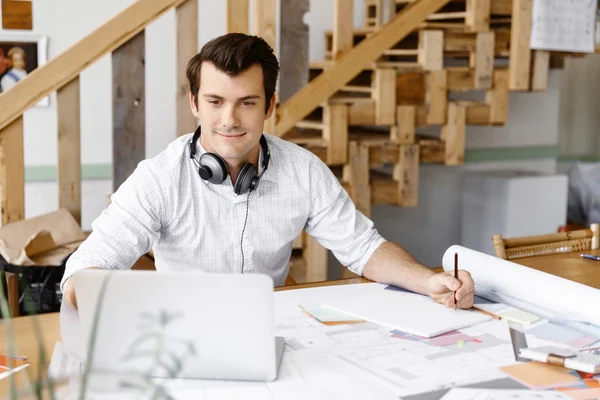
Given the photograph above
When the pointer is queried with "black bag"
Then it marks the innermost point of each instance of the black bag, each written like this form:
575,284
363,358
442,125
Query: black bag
39,286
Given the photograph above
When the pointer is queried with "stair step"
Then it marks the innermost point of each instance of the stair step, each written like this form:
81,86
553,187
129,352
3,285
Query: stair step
401,52
307,124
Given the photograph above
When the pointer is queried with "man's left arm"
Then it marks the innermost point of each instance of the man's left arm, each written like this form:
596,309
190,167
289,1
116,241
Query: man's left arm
391,264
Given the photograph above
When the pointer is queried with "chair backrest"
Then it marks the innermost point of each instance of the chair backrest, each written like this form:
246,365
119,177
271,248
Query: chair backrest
541,245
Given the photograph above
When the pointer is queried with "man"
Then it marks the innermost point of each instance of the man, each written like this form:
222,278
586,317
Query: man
201,206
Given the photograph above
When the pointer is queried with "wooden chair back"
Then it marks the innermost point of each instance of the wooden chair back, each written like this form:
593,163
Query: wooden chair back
541,245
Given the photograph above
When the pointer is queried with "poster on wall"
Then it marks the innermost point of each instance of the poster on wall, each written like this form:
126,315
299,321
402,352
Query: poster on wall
17,14
560,25
20,54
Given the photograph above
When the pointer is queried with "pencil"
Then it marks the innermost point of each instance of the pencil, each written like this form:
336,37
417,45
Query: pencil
455,274
487,313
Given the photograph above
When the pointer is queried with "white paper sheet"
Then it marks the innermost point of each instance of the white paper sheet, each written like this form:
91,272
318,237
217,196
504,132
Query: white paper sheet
520,286
407,312
563,25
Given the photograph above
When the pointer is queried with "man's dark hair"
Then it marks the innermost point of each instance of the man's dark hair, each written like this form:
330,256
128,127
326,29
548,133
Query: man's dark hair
234,53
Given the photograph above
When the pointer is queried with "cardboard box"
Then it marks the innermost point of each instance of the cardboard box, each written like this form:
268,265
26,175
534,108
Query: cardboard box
36,250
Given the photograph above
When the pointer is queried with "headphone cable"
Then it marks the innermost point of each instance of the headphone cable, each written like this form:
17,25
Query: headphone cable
243,229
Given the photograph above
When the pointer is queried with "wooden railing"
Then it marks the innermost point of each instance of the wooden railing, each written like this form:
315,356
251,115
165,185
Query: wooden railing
123,35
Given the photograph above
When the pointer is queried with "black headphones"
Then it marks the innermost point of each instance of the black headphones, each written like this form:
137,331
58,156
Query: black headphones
212,168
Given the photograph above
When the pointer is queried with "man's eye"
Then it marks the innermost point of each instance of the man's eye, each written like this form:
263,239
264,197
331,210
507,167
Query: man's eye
215,102
248,103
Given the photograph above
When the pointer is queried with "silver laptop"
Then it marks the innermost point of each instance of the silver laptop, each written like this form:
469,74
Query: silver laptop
179,324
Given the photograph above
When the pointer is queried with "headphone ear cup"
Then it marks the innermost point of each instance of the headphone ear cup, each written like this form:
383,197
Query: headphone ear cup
212,168
244,180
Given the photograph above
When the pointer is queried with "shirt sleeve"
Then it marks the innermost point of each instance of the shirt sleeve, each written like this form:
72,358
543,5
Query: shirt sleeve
335,222
125,230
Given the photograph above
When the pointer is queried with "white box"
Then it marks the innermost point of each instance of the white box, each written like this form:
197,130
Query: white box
511,203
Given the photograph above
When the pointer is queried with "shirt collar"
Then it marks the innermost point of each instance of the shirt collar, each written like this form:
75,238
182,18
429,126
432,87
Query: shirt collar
267,176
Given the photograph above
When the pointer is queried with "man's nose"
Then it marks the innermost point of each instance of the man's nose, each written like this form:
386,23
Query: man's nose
229,119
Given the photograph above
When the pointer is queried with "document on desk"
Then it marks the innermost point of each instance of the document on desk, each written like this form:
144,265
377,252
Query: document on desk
408,312
391,362
503,394
63,364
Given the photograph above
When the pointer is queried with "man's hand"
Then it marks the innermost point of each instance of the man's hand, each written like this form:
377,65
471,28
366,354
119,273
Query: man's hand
69,293
441,288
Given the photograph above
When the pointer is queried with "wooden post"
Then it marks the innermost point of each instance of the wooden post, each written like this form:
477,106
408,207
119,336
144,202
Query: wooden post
541,66
520,52
356,173
264,24
69,148
453,133
404,131
436,97
335,133
293,48
484,60
478,15
343,27
406,173
12,173
497,98
385,96
431,50
316,260
237,16
187,46
499,246
129,127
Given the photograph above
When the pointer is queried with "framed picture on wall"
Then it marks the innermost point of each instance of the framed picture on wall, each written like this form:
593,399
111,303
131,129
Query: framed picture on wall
20,54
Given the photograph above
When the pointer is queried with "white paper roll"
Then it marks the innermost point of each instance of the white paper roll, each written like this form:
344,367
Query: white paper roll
531,288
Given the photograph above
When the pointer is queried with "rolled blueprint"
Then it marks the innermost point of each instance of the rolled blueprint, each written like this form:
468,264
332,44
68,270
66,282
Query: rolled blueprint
543,294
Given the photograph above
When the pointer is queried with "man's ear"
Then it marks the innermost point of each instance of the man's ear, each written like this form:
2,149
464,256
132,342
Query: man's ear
271,108
193,105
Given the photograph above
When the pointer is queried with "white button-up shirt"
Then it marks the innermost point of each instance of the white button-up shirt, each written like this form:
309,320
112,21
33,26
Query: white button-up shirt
193,225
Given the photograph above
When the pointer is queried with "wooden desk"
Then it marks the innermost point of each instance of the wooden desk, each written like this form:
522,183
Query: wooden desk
27,343
567,265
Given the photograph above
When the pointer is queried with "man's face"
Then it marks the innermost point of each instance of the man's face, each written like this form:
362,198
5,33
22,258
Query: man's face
18,61
231,111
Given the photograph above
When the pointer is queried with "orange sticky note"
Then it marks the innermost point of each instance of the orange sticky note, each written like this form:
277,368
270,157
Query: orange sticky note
537,375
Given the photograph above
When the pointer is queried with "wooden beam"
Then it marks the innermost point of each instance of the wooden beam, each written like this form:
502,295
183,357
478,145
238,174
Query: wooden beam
406,173
12,172
385,96
478,15
335,132
316,260
484,60
356,174
69,148
410,88
541,66
520,52
404,132
343,35
453,133
460,79
68,65
367,51
497,98
264,23
237,16
129,127
187,47
436,97
501,7
431,49
293,48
